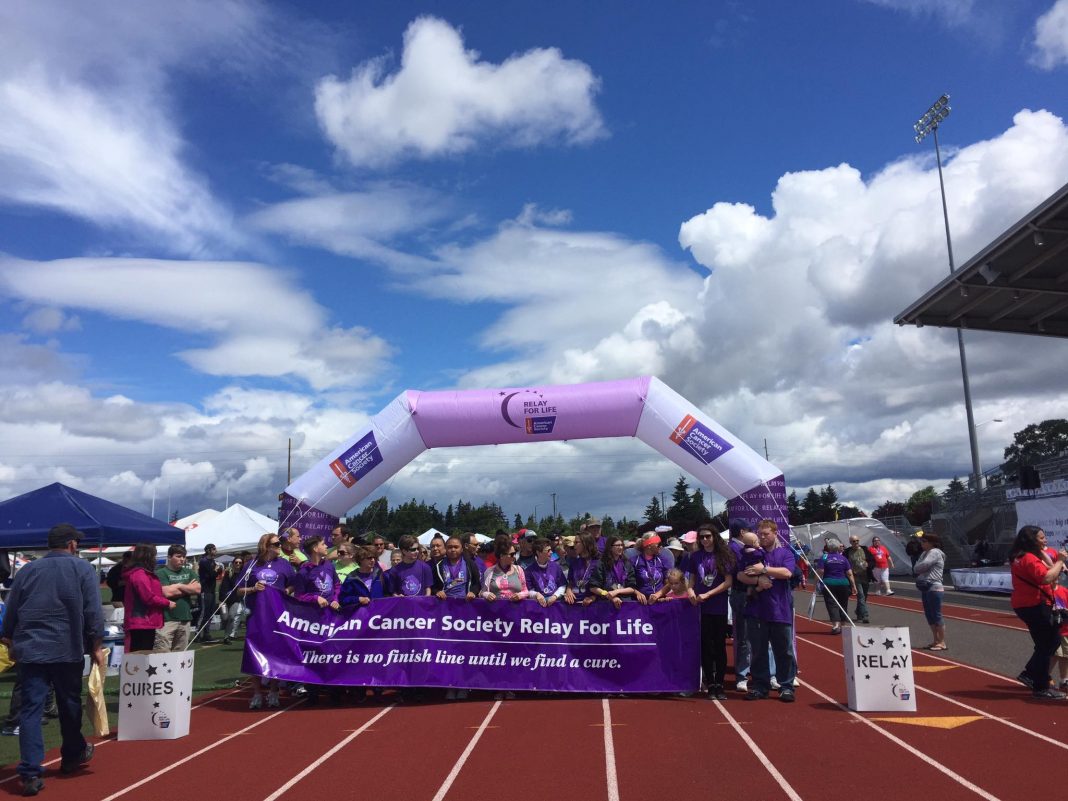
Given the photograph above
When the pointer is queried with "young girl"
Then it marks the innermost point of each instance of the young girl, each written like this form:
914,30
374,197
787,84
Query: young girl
456,575
545,577
580,570
676,588
1060,656
271,569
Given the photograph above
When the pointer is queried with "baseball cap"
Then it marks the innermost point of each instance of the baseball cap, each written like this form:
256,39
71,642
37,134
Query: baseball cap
662,529
60,535
690,537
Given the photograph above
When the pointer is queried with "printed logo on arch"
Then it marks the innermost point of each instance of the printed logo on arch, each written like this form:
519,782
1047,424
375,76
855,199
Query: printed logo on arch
357,461
699,440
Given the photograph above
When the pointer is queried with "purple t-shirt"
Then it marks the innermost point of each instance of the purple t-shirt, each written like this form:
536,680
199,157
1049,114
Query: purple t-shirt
314,581
578,575
277,573
776,604
410,580
454,577
545,580
736,546
835,566
650,573
706,576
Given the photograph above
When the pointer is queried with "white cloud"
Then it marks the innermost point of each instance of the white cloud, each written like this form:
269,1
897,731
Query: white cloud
444,101
47,320
361,224
86,126
261,324
953,13
1051,37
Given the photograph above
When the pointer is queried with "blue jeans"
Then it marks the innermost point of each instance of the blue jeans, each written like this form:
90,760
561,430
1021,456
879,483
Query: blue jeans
780,637
742,654
862,600
37,679
932,607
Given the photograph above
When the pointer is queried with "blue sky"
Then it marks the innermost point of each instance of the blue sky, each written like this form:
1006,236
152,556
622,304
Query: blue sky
224,224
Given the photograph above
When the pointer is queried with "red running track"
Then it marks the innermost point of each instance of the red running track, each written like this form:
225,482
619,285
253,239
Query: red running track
977,735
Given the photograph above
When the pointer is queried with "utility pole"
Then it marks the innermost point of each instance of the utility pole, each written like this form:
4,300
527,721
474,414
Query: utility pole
289,462
663,503
766,449
554,503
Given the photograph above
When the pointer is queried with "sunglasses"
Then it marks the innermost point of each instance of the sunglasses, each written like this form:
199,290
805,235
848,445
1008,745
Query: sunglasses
510,553
411,550
705,536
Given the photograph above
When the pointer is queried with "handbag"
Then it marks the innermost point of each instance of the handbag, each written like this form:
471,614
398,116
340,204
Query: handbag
923,585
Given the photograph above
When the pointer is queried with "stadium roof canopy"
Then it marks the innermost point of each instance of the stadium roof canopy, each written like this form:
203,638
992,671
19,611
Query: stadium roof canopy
1017,284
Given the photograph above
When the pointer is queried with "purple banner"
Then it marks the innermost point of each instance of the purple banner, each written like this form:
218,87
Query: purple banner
425,642
308,520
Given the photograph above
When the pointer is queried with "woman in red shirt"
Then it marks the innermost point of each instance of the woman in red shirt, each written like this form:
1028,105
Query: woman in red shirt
1032,596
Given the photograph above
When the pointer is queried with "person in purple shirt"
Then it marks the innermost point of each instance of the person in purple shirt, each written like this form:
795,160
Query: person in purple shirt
456,575
711,569
837,584
545,578
580,570
316,581
412,577
269,570
770,616
651,567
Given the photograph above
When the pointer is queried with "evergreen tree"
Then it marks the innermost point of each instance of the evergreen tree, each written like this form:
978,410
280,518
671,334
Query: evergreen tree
653,512
518,522
793,509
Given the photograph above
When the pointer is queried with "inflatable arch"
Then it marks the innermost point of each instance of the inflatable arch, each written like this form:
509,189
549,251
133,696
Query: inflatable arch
644,408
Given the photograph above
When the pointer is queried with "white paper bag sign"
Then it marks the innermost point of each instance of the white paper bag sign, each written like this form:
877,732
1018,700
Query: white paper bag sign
878,665
155,695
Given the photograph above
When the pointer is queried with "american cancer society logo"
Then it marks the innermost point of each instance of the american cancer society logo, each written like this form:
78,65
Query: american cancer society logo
699,440
357,461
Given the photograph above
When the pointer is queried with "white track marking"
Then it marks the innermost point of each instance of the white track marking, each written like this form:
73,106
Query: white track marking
444,789
203,750
962,705
327,755
609,754
979,791
779,778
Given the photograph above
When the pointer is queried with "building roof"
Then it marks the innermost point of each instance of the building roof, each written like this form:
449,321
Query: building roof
1017,284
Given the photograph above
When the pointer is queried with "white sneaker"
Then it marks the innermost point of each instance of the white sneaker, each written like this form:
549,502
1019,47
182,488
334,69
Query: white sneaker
889,592
272,700
256,702
774,683
742,686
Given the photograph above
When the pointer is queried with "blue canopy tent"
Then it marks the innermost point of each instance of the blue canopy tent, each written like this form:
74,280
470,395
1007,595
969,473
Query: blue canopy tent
26,519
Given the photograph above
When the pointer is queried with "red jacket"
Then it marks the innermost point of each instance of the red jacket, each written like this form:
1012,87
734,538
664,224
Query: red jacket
144,602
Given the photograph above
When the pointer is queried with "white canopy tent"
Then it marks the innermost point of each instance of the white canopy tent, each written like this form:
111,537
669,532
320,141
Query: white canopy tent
428,535
865,528
236,529
196,519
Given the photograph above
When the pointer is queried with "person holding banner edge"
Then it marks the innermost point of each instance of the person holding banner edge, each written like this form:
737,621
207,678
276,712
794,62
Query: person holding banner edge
711,568
742,653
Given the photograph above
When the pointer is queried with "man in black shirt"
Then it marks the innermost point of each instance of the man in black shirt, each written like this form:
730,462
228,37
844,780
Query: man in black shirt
206,572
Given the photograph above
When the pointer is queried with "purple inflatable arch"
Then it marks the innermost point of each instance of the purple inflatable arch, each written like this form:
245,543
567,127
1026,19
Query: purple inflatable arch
644,408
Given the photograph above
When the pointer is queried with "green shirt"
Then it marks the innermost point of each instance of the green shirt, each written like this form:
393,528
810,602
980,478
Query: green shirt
186,575
343,571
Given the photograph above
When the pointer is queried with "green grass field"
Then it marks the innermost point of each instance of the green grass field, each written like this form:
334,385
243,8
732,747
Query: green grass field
217,667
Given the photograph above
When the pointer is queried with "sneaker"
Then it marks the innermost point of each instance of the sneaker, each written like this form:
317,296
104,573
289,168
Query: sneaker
32,785
1064,684
774,683
10,731
890,592
742,686
227,640
256,702
273,702
1048,694
720,695
1026,681
71,765
755,695
786,695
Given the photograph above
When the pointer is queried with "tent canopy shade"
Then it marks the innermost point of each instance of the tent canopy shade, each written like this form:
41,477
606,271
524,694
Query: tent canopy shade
26,519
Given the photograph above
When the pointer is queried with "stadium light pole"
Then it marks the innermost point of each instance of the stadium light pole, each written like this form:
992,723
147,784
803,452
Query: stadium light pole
978,425
928,124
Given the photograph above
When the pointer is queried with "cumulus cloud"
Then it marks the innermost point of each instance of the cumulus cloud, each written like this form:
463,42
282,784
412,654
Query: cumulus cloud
85,125
444,100
224,302
1051,37
953,13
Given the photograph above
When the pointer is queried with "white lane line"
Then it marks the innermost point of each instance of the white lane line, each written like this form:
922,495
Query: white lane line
110,739
609,754
327,755
444,789
972,709
203,750
779,778
979,791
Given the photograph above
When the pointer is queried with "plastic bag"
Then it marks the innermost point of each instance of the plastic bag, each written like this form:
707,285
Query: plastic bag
5,658
95,707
